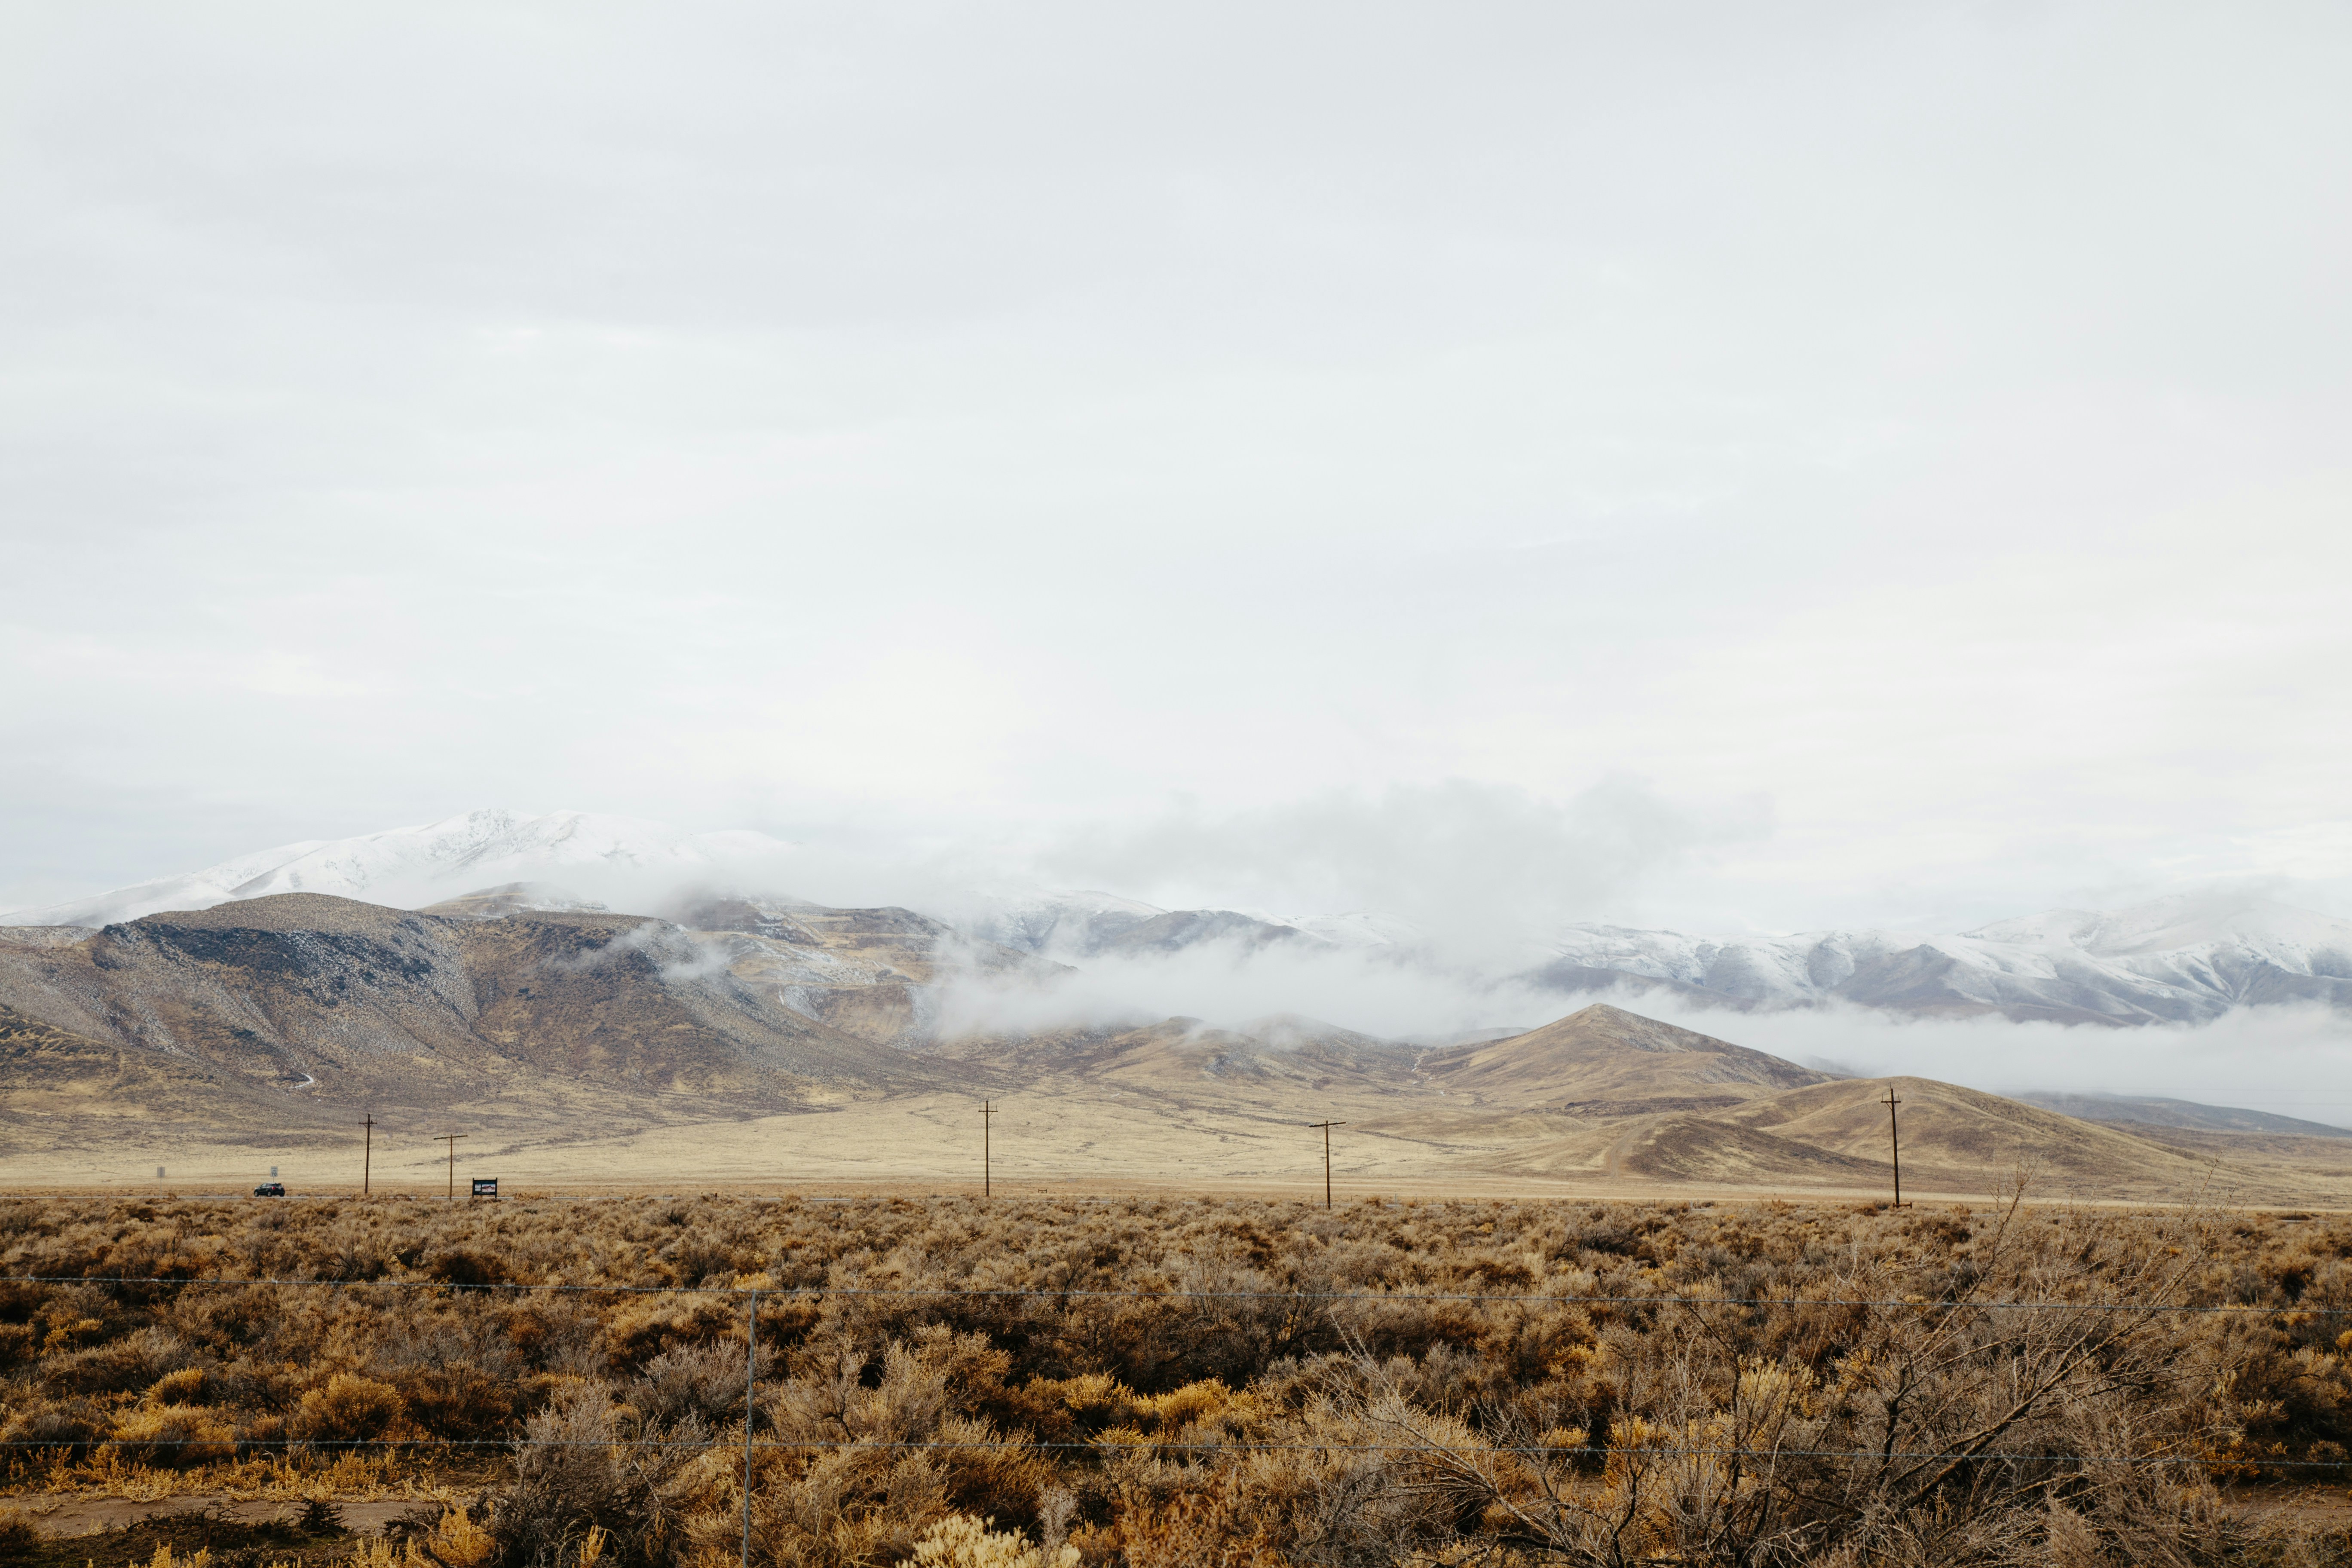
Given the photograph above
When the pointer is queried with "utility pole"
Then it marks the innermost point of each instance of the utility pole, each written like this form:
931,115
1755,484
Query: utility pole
1326,1127
987,1154
451,1140
367,1156
1895,1141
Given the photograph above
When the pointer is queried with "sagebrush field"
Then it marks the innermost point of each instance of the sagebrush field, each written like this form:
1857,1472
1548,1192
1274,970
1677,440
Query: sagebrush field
1182,1381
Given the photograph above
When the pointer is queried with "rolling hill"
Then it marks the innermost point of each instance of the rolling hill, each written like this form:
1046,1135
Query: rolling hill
1606,1062
1956,1138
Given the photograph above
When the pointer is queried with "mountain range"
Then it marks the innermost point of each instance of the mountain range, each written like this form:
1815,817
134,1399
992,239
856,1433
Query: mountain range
268,1028
277,1013
2180,959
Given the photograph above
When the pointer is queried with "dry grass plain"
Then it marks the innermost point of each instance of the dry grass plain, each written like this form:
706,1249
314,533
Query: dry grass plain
1159,1379
1081,1134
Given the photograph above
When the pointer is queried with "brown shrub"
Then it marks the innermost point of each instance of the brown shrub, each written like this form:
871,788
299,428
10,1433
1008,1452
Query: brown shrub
1257,1398
455,1401
641,1327
37,1422
174,1438
584,1475
458,1542
189,1386
262,1434
464,1265
347,1409
20,1537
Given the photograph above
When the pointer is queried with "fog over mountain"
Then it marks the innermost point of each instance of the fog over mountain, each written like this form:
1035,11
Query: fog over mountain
2181,959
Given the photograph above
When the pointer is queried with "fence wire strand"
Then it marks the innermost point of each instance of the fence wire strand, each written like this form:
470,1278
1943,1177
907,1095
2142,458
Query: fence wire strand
811,1292
1151,1445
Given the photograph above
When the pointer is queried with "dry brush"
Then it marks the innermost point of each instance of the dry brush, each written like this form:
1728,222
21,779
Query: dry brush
1196,1382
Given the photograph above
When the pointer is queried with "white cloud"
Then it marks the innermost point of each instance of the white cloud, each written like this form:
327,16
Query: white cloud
1485,870
1224,984
944,426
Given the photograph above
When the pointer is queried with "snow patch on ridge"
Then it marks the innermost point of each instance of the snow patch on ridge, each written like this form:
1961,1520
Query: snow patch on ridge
404,866
2181,958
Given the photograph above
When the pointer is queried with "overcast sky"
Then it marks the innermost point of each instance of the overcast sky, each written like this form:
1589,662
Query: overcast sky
1838,465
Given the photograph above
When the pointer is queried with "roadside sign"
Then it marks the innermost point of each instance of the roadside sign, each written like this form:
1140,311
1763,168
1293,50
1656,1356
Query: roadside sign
486,1186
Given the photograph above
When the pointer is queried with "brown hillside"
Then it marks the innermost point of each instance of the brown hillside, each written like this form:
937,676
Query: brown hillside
1185,1056
67,1091
1703,1149
1957,1139
359,1006
1274,1052
1605,1060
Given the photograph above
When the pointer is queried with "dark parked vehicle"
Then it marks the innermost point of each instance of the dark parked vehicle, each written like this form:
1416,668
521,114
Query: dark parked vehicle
270,1190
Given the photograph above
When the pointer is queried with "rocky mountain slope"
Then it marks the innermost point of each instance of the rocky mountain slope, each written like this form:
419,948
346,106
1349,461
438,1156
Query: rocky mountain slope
62,1093
310,1000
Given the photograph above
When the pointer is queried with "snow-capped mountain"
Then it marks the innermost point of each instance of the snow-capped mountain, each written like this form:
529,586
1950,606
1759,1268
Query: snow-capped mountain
1085,923
408,866
498,861
1069,920
2176,958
